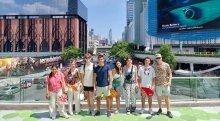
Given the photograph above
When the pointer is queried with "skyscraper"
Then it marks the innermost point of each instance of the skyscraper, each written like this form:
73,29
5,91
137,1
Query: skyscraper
110,37
130,11
137,20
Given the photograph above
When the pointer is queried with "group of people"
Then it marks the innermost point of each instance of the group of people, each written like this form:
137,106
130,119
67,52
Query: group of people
101,82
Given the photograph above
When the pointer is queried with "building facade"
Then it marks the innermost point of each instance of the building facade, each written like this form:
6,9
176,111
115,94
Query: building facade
42,33
130,11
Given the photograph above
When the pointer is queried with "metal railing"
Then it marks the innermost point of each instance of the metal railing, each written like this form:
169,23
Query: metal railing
32,89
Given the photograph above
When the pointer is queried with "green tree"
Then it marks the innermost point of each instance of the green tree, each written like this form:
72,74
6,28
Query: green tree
168,56
71,52
121,49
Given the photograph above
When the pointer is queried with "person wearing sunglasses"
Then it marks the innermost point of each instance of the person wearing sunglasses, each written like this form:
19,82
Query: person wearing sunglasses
87,82
146,76
130,85
163,83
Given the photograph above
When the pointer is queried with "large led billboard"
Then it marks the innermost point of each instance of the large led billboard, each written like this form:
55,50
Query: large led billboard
188,15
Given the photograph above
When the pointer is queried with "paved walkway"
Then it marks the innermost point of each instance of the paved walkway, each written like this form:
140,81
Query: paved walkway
180,114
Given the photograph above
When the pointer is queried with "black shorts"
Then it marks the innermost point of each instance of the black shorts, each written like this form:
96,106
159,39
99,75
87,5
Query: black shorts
88,88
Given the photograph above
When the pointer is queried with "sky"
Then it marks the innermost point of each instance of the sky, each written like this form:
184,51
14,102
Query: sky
102,14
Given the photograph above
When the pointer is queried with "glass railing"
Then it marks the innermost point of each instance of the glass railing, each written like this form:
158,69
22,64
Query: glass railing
32,89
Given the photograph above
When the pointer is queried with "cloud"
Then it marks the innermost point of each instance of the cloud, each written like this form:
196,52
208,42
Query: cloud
62,3
7,2
39,8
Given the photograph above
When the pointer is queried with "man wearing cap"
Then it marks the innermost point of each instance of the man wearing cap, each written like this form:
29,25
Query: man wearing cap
146,75
163,83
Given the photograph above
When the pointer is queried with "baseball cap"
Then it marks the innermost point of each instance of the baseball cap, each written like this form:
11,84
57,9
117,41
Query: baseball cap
158,56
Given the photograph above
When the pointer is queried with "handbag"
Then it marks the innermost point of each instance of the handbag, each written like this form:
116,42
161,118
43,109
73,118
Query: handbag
128,77
62,99
117,82
113,93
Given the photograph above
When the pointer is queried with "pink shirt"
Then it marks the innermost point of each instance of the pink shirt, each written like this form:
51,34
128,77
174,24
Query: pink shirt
55,82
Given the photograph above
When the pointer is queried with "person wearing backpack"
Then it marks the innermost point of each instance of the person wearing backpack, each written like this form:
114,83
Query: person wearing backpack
73,80
87,82
130,85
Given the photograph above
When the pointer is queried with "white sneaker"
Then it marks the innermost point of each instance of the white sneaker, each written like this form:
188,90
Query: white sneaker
53,118
71,113
66,116
116,111
150,111
142,111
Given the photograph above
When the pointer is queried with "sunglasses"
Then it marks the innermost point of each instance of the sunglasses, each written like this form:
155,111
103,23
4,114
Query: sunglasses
146,71
158,58
87,57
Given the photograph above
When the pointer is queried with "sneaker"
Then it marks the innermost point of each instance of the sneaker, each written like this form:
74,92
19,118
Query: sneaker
116,111
133,109
128,111
108,113
142,111
89,112
169,114
71,113
53,118
150,111
97,113
93,113
66,116
159,111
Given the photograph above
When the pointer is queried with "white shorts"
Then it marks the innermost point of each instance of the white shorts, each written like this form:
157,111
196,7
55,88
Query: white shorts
163,90
103,91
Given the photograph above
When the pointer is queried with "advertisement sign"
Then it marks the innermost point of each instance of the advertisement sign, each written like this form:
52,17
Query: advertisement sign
188,15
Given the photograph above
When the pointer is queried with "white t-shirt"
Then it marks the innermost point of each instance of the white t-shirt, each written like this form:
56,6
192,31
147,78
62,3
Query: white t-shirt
88,76
147,74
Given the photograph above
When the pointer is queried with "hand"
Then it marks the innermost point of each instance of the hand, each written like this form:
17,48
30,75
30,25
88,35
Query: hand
153,87
137,85
110,87
169,83
47,96
65,89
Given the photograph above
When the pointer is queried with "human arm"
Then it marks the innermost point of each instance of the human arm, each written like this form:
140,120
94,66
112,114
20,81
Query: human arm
63,83
94,81
136,76
139,77
82,75
170,75
110,78
47,89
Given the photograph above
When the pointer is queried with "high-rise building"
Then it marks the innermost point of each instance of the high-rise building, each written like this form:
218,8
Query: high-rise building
137,20
91,33
130,11
110,37
76,7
